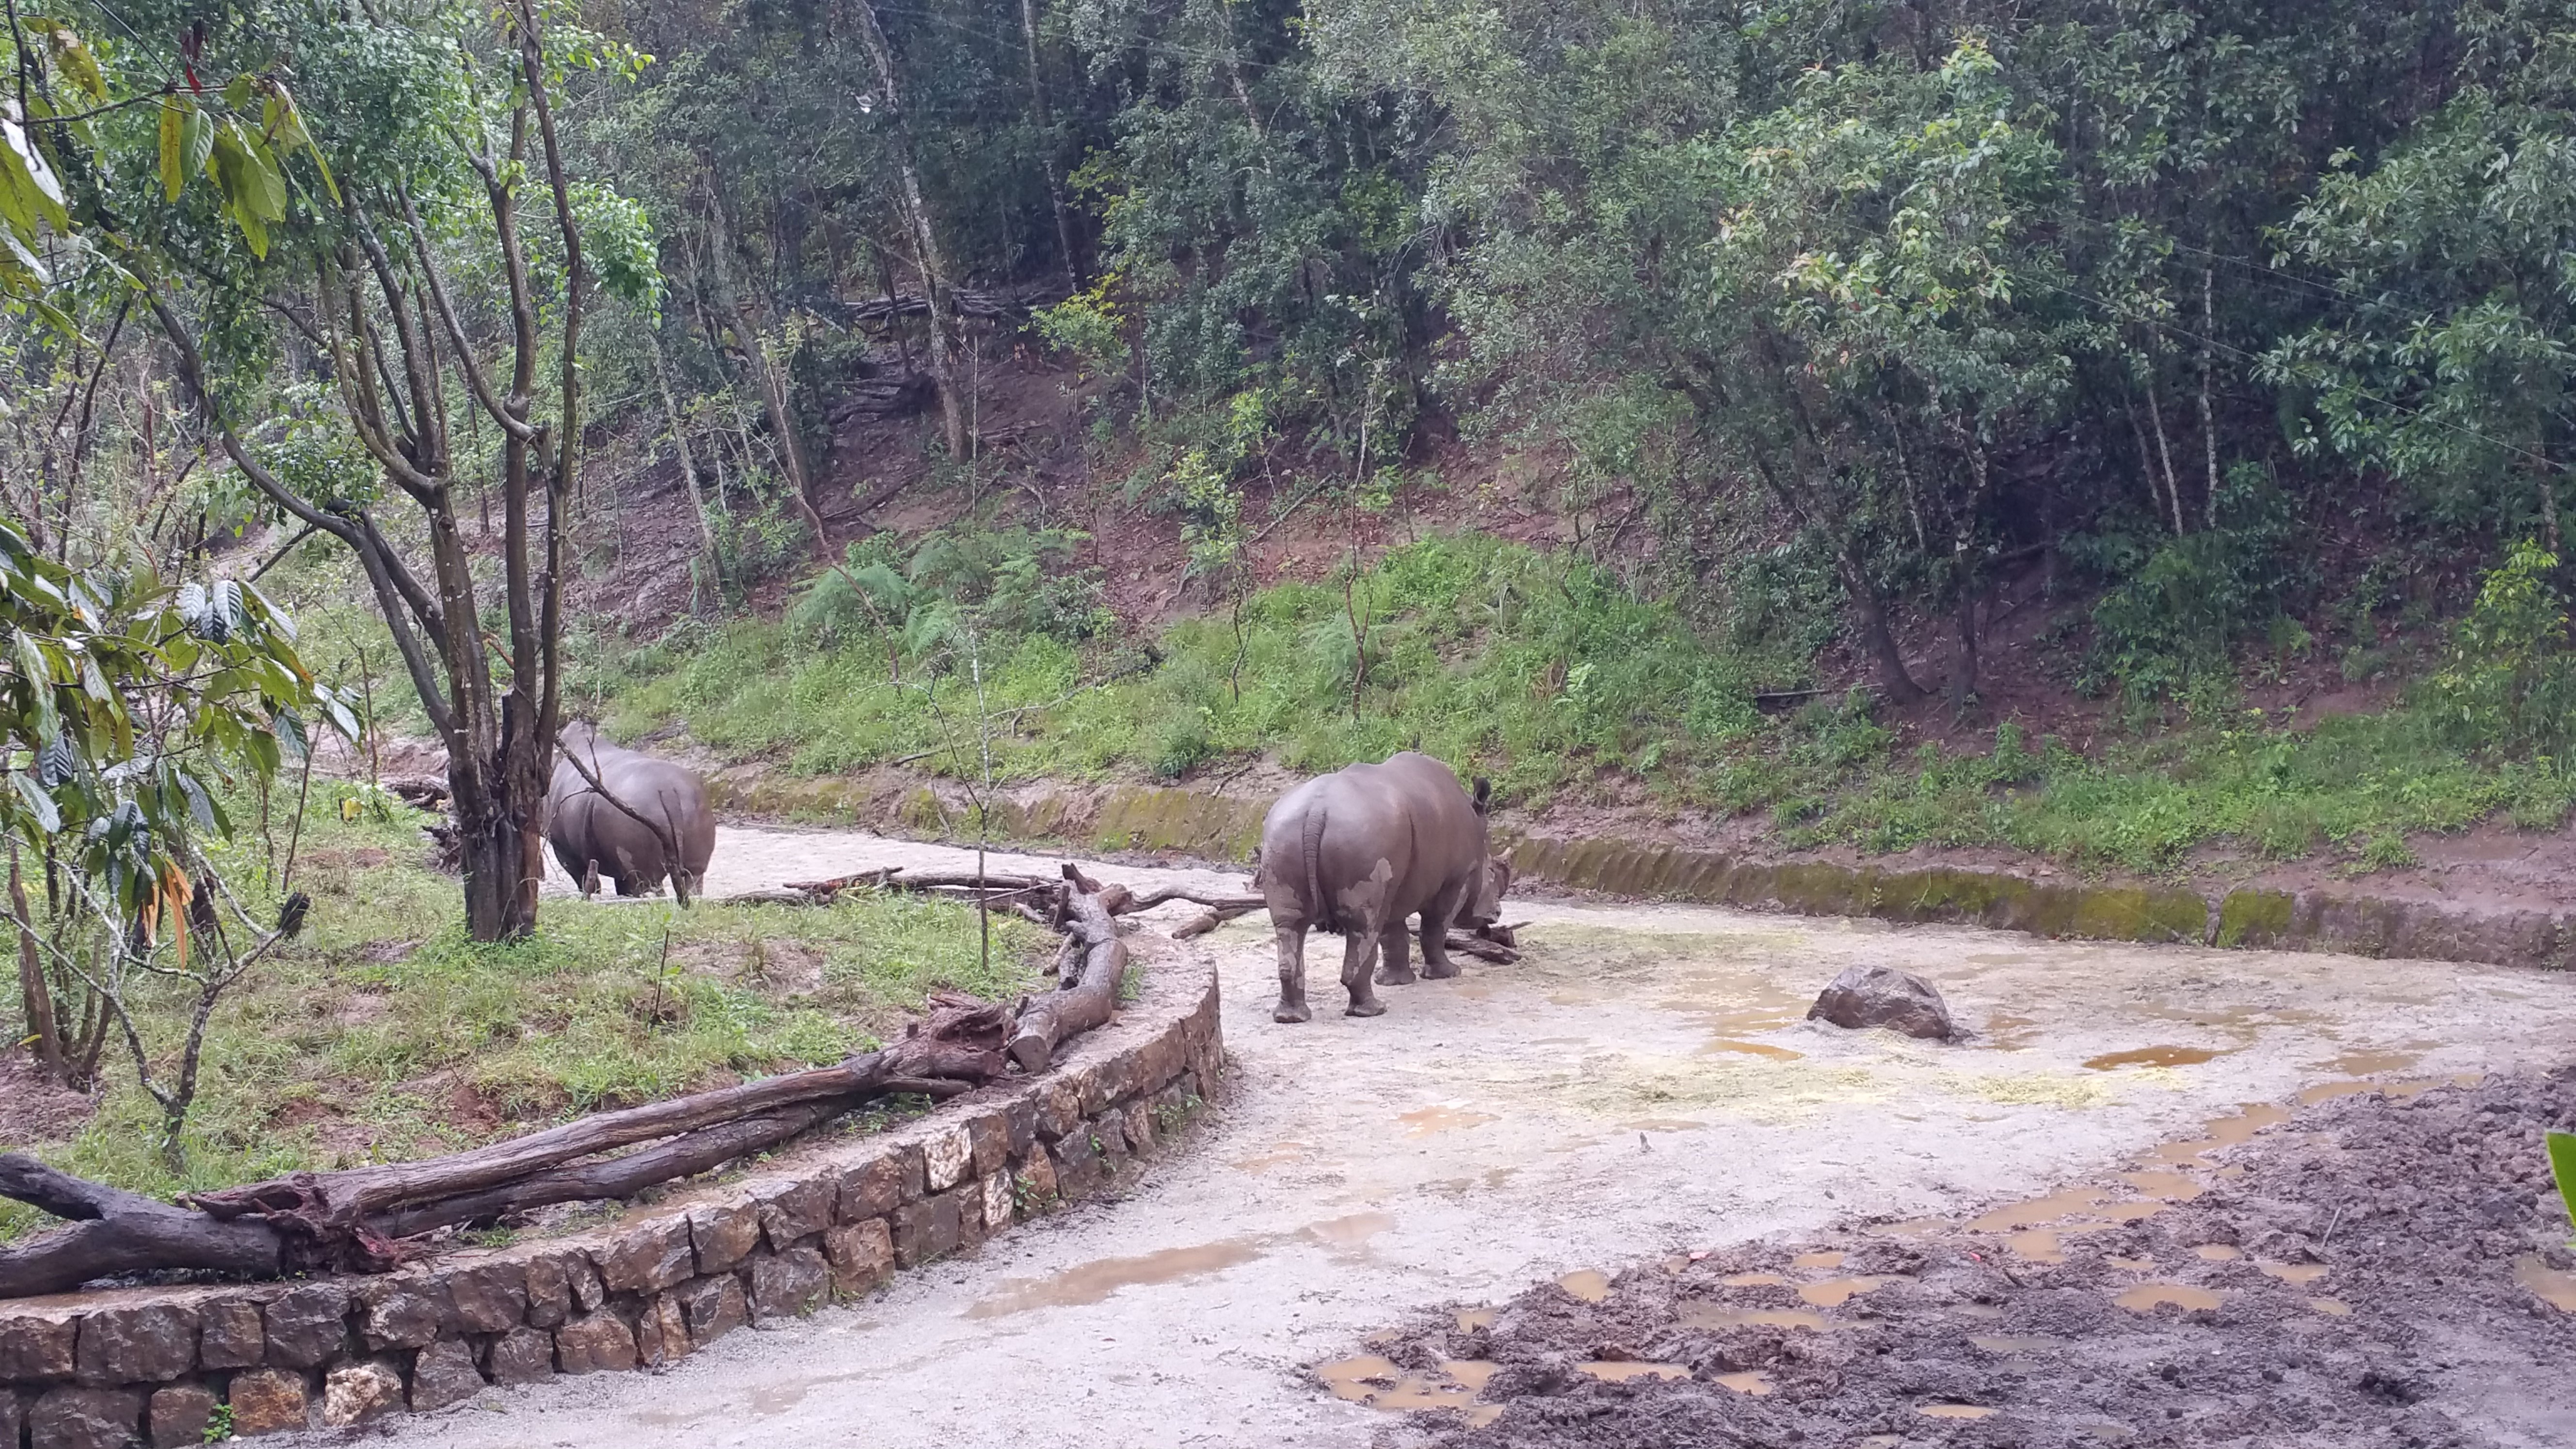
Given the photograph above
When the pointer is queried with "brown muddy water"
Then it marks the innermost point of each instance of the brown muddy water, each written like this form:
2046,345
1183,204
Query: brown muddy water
1641,1088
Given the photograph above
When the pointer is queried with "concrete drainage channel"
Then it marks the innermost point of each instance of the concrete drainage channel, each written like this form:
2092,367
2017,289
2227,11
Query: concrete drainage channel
1216,826
1641,1083
830,1220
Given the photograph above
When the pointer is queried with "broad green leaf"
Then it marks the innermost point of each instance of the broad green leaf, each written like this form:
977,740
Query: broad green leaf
197,144
29,192
15,252
39,802
266,180
2562,1165
174,145
72,58
237,93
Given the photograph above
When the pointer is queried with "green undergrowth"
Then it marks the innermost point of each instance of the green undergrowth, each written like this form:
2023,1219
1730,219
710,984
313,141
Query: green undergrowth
2352,786
1556,681
1541,672
384,1033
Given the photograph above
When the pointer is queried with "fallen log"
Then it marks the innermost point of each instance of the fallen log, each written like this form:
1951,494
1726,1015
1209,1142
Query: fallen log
114,1231
1481,948
1118,900
1088,978
1215,916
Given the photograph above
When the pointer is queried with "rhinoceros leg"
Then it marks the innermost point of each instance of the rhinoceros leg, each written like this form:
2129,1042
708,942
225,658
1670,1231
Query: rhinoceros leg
1292,976
1394,958
1436,915
1359,952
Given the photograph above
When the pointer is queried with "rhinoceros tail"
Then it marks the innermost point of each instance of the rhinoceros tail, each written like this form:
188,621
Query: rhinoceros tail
1317,903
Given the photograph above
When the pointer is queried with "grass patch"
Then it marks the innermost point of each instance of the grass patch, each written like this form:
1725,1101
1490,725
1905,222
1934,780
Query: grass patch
384,1033
1549,676
1540,671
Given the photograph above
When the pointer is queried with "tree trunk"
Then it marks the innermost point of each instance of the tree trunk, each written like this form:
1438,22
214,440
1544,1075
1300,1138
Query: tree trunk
1047,152
688,464
755,348
936,282
1874,632
2164,451
1963,671
493,844
2543,474
31,979
2209,366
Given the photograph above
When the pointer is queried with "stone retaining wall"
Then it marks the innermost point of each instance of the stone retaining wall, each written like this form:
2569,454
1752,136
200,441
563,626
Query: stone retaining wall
830,1219
1224,827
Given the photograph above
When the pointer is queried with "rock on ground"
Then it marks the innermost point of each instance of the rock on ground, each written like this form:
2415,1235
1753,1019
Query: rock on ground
444,1374
1867,996
357,1392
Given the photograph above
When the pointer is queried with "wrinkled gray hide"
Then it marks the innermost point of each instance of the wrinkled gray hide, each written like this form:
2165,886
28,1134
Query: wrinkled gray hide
593,838
1358,851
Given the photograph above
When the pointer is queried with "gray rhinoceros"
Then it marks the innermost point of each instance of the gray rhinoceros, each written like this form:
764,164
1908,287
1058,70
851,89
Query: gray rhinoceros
592,837
1357,851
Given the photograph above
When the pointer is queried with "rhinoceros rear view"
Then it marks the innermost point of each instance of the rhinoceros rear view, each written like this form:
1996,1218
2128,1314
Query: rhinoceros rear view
1357,851
657,827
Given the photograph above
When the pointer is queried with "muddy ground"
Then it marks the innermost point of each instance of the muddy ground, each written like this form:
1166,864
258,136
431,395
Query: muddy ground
2379,1270
1641,1084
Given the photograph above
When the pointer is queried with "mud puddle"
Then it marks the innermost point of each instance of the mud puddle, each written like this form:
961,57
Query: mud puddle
2452,1322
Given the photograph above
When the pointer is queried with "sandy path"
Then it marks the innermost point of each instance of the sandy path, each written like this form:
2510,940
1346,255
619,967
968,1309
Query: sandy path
1640,1082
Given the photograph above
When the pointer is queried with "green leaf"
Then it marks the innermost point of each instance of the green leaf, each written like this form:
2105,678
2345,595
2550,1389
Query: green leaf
24,168
72,58
2562,1165
174,146
237,93
39,803
197,145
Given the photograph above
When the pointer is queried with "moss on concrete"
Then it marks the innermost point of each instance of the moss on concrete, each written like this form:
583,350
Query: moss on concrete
2256,918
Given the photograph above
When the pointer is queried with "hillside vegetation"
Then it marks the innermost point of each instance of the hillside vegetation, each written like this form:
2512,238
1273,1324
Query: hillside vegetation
1548,675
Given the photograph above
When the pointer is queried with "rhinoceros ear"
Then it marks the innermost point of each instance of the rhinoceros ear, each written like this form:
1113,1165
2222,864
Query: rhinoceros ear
1484,793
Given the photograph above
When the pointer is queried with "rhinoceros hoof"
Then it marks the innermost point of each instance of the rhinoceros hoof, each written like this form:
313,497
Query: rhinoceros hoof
1288,1015
1365,1008
1396,978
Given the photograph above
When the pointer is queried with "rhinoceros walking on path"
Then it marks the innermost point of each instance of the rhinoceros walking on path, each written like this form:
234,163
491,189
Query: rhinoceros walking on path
1357,851
592,837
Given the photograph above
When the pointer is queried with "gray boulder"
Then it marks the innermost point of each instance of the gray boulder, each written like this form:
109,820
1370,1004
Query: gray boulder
1867,996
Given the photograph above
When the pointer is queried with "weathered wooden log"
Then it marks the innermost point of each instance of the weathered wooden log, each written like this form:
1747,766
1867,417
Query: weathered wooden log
114,1231
1215,916
1481,948
1097,966
1118,900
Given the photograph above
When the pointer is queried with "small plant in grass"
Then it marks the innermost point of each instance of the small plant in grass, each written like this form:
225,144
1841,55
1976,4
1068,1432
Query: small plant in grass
2562,1166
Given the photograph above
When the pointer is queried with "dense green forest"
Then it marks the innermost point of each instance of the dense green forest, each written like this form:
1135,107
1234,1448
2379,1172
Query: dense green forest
1823,335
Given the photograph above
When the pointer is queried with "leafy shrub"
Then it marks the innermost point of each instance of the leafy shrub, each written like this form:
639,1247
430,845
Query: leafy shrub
2177,612
2511,683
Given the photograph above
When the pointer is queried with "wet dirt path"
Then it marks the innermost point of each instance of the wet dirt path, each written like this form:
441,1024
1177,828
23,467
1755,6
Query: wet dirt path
1641,1082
